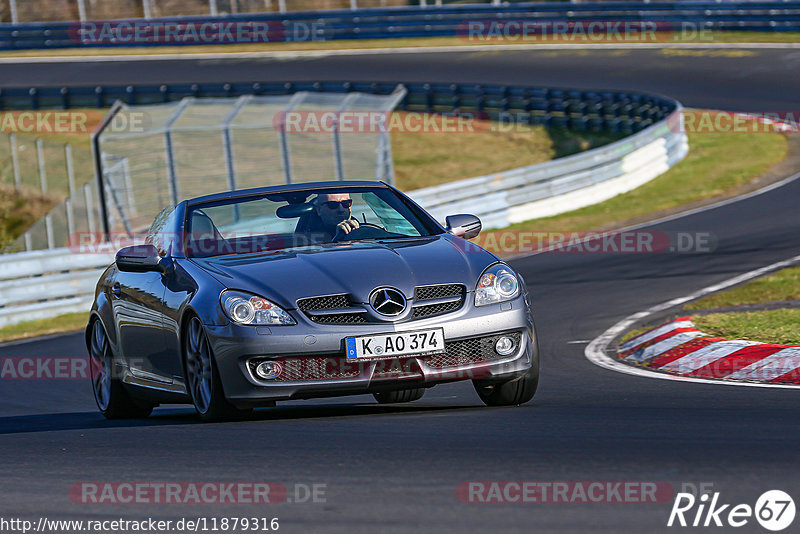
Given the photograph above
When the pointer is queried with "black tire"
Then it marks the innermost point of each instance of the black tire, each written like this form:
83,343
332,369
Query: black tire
404,395
202,377
510,393
113,401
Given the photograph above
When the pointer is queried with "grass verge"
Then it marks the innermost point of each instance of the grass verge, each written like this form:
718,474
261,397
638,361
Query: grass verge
717,164
772,326
409,42
68,322
427,159
782,285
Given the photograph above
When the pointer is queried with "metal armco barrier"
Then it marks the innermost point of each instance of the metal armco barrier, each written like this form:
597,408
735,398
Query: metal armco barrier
563,184
412,21
43,284
48,283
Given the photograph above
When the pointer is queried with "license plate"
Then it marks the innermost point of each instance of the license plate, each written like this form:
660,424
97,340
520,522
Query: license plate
397,344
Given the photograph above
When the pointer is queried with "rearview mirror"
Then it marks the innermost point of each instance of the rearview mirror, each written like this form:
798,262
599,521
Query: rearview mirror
464,225
139,259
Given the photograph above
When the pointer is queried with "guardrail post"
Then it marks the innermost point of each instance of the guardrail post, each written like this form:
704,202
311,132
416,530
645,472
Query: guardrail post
12,138
353,4
282,6
147,9
42,171
212,8
12,4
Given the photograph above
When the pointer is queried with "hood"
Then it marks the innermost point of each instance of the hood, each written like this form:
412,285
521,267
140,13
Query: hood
354,268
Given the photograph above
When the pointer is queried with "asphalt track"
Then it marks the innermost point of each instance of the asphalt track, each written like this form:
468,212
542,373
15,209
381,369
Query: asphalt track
396,469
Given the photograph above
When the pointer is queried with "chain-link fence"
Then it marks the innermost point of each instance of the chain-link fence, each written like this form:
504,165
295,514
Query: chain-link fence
66,10
154,156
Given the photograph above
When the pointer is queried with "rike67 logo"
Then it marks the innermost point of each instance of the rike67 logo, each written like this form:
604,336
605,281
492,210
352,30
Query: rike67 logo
774,510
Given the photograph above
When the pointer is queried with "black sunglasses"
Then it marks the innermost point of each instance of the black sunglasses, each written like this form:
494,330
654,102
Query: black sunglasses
333,204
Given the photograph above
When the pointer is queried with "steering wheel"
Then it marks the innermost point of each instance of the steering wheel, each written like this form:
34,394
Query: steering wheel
365,230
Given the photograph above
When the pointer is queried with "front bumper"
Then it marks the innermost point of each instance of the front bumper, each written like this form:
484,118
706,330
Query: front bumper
315,365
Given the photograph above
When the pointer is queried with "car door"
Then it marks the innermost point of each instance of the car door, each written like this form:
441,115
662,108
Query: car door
138,307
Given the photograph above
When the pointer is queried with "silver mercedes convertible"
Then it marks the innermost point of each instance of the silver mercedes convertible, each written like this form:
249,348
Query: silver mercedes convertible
241,299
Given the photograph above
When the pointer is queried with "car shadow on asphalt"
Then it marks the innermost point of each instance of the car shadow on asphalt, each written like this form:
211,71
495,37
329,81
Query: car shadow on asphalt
93,420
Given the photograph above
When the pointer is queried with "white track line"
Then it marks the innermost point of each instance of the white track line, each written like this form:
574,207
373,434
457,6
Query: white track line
299,54
596,350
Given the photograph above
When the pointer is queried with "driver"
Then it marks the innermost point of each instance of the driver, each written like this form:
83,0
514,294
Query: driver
334,215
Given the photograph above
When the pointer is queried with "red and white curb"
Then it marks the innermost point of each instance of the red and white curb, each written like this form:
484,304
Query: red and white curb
679,348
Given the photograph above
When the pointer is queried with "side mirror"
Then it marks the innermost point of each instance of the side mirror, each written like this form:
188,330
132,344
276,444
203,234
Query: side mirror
463,225
139,259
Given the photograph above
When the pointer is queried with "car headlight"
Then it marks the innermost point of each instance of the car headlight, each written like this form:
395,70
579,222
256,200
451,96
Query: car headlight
245,308
498,283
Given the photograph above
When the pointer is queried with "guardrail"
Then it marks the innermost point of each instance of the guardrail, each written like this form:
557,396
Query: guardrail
564,184
47,283
403,22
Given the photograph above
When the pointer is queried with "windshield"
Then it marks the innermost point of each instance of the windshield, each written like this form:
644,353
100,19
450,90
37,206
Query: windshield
293,219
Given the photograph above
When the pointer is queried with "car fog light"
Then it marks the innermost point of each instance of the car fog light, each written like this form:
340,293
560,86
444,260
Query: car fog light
504,346
268,370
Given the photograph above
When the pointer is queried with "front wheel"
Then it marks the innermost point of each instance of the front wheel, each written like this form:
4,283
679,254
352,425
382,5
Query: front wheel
393,397
109,393
202,377
511,393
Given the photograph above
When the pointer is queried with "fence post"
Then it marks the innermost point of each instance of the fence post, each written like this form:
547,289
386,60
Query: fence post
42,171
282,6
212,8
227,143
70,219
12,138
97,155
126,175
87,195
146,8
12,4
286,157
353,4
70,168
48,227
172,176
82,10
